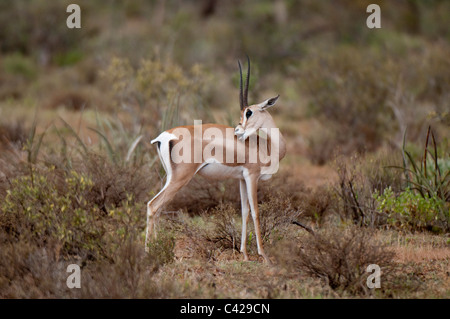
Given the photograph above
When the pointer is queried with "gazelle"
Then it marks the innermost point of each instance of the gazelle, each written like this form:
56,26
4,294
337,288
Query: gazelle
207,159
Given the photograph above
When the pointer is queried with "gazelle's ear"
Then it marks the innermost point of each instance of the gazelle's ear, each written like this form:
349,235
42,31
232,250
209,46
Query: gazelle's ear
268,103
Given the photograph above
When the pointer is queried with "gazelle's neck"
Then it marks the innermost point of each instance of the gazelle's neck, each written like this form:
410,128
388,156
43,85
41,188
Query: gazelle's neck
278,140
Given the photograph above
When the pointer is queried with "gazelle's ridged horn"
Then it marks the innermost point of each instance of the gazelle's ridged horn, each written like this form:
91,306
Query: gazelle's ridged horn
247,81
241,96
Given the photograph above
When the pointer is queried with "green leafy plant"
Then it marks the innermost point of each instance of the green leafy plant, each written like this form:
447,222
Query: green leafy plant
424,202
409,209
35,209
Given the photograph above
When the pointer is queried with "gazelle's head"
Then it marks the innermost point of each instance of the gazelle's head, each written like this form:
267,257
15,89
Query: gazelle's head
255,116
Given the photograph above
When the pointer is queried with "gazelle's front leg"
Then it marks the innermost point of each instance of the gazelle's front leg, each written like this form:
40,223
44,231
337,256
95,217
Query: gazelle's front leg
251,182
245,210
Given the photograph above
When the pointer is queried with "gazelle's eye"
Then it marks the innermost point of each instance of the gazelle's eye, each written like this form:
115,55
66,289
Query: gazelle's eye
248,114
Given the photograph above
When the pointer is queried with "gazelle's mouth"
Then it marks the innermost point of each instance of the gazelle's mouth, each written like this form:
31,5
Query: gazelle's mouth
248,132
239,131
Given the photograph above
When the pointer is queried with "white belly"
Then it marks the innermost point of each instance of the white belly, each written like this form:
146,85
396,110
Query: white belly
220,171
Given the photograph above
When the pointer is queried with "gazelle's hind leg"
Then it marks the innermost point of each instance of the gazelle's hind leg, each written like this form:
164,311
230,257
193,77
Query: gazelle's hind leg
252,185
245,214
154,206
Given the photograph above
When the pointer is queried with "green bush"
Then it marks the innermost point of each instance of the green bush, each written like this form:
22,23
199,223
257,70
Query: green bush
409,209
17,64
36,210
424,203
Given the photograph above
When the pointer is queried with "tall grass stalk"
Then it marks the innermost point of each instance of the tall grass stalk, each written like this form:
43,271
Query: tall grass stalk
418,175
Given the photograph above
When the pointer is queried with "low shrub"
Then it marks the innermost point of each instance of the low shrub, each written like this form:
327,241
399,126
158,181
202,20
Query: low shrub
410,210
35,210
357,180
131,273
77,208
340,257
424,201
225,233
29,271
275,214
113,183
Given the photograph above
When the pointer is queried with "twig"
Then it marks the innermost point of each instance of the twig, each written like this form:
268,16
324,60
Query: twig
308,229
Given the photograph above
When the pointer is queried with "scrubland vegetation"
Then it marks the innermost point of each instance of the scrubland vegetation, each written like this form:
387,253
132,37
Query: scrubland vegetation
365,114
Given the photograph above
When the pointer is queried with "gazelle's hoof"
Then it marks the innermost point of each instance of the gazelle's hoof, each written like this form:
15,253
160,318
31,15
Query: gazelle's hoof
267,260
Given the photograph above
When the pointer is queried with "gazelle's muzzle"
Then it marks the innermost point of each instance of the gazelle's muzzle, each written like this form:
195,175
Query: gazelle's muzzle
239,131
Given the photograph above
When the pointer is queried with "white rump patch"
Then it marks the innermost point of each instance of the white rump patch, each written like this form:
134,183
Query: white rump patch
164,153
